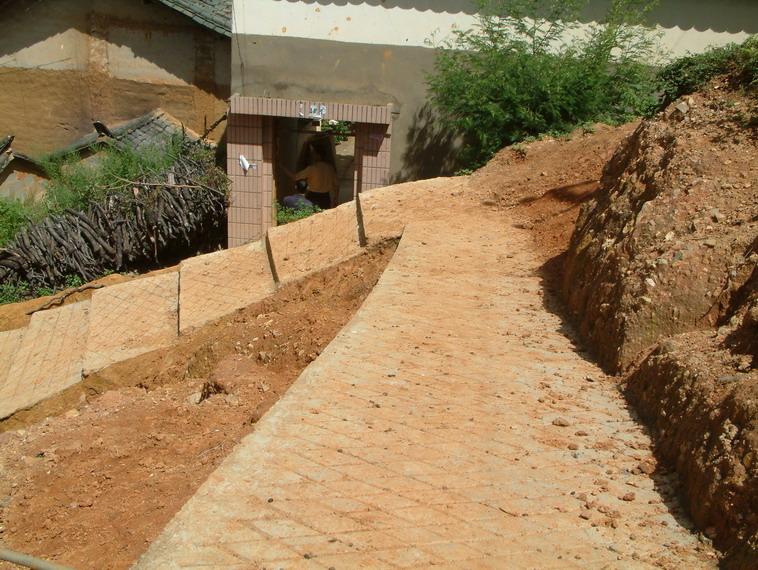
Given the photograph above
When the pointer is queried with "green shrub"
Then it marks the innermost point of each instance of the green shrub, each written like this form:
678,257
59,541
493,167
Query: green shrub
519,74
74,183
14,215
287,215
687,74
14,292
341,130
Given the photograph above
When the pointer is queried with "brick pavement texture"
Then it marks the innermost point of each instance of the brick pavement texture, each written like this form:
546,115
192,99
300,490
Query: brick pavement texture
424,436
132,318
214,285
48,357
314,243
146,314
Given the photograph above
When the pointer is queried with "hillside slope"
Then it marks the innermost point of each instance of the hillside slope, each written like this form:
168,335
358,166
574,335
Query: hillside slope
661,280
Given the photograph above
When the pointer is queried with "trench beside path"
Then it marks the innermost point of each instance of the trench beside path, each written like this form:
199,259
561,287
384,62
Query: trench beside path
432,432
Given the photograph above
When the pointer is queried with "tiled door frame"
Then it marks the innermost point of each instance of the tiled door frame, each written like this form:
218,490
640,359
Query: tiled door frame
250,133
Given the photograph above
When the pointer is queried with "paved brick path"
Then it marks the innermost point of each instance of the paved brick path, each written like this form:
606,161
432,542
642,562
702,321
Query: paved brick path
425,435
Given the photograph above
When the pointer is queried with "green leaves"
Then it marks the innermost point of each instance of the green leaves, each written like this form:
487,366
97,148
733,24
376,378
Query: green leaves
522,72
287,215
14,215
74,182
686,74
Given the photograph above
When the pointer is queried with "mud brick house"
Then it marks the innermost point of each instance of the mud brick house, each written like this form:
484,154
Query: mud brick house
67,63
21,177
364,61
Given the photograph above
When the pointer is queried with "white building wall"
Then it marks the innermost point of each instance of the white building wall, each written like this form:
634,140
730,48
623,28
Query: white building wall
414,23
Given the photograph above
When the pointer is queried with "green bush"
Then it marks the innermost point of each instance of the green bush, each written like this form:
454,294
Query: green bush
520,74
287,215
74,182
14,215
341,130
689,73
14,292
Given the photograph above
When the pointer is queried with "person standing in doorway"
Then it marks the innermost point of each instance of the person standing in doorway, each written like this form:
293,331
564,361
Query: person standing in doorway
321,177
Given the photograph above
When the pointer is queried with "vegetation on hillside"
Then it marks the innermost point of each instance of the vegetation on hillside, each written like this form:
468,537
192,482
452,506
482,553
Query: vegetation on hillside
526,70
687,74
74,183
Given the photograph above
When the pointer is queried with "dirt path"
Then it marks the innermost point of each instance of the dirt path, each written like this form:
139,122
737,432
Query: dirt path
93,487
451,423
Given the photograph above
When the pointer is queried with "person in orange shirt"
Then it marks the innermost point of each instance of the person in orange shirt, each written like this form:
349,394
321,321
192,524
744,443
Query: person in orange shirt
321,178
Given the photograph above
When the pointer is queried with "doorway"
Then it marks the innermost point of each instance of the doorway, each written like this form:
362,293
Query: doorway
267,135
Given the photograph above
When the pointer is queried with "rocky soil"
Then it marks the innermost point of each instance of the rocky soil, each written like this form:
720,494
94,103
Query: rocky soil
660,278
668,243
115,467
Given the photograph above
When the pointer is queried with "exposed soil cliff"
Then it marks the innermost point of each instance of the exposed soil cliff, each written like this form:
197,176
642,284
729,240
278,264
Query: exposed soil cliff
661,280
668,241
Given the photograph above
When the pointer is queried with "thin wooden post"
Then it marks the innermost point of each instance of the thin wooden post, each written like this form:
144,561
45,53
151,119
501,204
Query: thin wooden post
362,240
270,255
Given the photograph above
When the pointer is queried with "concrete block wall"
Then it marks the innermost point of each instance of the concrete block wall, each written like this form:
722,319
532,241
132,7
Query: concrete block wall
61,346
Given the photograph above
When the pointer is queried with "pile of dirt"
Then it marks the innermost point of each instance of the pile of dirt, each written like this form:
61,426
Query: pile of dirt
660,278
544,183
668,242
701,400
93,487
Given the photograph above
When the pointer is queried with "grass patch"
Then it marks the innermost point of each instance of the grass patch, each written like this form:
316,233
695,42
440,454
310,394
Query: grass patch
288,215
15,214
74,182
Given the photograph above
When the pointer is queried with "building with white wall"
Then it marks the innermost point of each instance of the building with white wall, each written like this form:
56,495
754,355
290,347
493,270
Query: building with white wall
366,61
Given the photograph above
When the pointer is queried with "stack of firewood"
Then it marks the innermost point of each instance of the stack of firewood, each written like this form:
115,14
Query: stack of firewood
130,228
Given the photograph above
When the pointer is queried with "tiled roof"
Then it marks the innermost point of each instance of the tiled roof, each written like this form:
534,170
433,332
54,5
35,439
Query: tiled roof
152,128
213,14
148,129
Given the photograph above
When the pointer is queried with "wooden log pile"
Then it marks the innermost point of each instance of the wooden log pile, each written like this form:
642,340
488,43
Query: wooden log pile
128,229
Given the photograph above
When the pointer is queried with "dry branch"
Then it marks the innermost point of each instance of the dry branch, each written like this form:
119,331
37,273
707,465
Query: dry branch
60,298
131,227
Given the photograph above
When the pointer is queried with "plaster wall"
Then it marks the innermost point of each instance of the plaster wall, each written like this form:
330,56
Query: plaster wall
22,183
341,72
685,25
378,52
65,63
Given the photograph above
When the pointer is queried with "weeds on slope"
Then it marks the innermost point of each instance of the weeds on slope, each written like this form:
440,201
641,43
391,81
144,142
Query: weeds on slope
688,74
